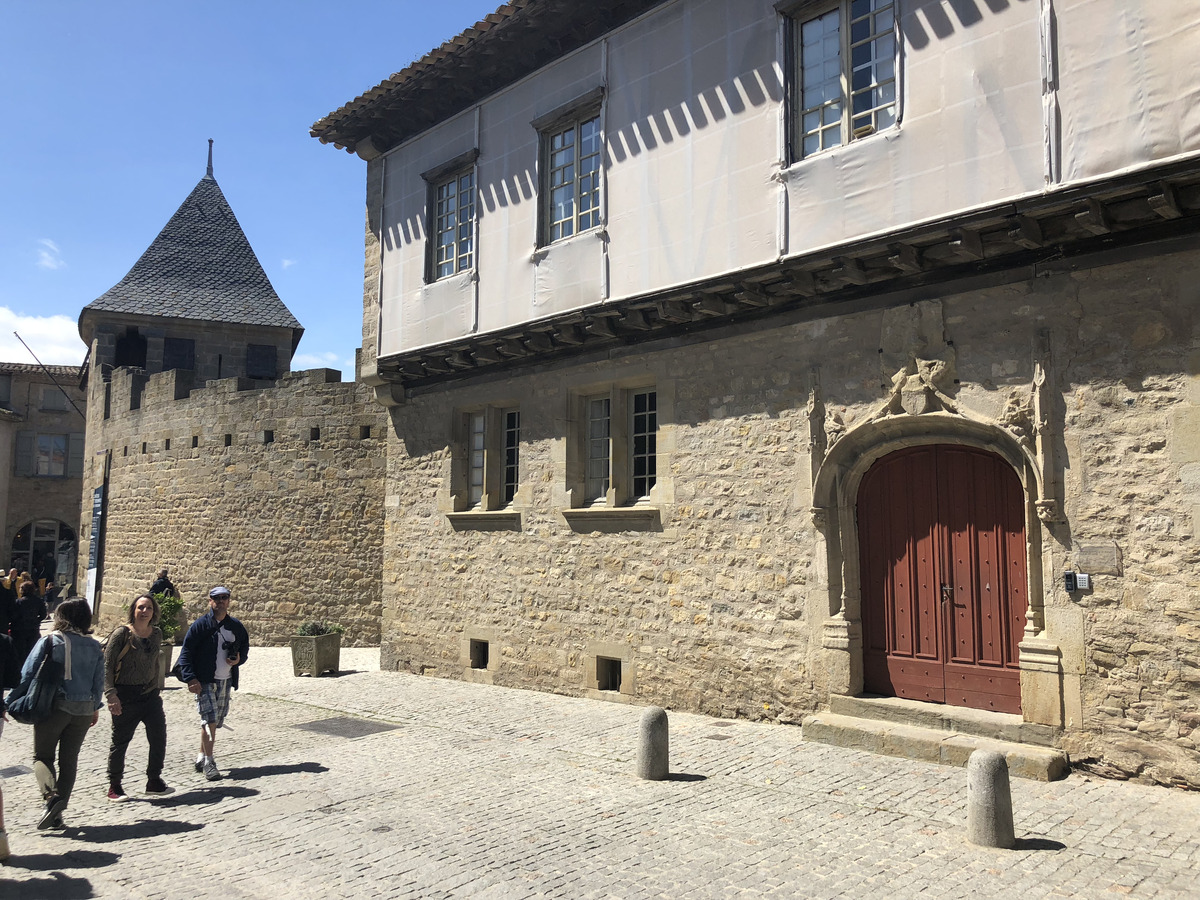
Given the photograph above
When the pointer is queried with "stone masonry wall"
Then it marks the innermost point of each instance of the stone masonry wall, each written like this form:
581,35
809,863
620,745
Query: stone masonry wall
290,521
719,609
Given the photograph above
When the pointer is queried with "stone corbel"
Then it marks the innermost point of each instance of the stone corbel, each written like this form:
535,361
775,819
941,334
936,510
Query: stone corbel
389,394
839,633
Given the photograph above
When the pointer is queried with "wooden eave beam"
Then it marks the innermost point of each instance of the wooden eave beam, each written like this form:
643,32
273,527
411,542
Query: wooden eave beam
1165,201
906,259
1095,218
968,242
849,270
674,311
1028,233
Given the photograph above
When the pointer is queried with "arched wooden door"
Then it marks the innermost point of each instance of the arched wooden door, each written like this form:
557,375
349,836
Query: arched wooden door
941,532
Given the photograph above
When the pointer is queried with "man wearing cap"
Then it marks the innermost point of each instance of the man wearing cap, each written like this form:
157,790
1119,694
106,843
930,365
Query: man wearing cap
214,648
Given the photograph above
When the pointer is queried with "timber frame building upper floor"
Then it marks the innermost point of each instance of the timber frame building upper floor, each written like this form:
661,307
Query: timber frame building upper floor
563,177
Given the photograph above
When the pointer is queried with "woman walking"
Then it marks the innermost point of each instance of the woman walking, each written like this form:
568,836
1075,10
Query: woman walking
133,691
27,619
76,707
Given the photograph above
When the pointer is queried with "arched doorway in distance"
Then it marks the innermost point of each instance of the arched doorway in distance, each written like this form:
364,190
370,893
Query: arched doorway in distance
942,553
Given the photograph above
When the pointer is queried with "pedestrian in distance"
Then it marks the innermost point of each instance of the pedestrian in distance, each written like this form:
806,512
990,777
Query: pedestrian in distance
133,690
162,585
27,619
213,651
10,677
76,707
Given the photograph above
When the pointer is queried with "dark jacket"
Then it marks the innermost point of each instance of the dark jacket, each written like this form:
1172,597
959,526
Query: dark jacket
198,657
10,667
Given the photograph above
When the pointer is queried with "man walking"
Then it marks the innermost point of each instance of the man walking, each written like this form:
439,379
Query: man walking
214,648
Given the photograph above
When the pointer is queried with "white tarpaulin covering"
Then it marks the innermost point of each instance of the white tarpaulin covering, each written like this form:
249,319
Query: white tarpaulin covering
696,181
1129,82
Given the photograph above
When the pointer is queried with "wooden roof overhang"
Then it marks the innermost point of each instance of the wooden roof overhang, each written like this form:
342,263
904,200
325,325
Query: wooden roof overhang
1003,242
516,40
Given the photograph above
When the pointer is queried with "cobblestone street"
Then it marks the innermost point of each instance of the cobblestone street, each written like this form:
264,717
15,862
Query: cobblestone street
390,785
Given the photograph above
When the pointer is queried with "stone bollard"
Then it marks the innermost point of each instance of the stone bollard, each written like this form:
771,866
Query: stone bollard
989,801
653,755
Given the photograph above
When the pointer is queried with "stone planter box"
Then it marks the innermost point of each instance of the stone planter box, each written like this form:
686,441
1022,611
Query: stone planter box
317,654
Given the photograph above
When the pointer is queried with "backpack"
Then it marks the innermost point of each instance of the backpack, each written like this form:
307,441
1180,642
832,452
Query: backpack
32,700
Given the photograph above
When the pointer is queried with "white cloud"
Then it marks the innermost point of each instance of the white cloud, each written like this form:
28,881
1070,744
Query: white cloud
55,339
49,256
325,360
288,263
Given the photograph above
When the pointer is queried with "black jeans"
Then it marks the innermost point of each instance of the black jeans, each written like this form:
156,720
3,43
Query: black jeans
137,708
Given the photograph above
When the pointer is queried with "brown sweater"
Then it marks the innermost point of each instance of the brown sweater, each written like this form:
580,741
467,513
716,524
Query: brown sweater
138,667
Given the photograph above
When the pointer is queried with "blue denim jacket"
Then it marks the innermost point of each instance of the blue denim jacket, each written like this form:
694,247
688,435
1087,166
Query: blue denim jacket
85,686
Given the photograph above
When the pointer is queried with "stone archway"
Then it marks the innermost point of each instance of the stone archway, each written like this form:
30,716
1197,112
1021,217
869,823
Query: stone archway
836,486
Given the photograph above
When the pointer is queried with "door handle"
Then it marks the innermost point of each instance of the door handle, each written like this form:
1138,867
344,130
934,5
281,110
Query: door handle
947,593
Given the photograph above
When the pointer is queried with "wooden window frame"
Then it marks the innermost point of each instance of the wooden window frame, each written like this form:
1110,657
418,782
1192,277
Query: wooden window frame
487,470
624,488
882,115
436,179
571,118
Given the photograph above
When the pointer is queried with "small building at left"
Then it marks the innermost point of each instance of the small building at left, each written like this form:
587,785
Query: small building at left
43,413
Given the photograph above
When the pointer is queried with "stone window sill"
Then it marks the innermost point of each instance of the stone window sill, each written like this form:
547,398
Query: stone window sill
614,518
485,520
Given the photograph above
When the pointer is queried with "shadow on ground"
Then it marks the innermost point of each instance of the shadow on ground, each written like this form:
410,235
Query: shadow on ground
107,834
50,862
58,886
245,773
1038,844
206,796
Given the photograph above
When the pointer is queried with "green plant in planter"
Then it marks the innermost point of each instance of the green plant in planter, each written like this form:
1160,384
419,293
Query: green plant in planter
316,628
316,648
168,620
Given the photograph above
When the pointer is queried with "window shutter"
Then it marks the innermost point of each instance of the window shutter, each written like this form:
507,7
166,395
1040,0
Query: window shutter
75,455
24,453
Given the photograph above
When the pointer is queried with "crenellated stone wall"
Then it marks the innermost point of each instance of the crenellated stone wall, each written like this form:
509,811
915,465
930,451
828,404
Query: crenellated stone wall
737,595
275,492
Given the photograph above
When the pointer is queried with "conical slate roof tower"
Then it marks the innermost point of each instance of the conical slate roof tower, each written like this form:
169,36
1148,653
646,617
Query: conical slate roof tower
200,266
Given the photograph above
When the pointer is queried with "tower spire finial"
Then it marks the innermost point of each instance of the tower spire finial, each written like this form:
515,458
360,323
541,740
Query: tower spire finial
210,142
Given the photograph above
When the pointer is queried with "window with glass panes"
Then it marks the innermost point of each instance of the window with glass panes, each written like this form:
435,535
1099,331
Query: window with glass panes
512,458
845,73
51,454
454,224
477,445
599,450
572,179
643,435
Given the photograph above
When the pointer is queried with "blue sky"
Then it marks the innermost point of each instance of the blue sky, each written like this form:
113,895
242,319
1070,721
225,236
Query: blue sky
109,106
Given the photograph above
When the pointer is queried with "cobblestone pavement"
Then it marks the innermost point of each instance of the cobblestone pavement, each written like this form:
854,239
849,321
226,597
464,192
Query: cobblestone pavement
390,785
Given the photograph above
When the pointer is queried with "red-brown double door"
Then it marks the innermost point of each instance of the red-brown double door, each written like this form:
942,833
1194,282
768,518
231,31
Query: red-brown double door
941,533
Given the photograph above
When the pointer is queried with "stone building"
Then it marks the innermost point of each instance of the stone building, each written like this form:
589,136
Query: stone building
42,419
205,454
769,359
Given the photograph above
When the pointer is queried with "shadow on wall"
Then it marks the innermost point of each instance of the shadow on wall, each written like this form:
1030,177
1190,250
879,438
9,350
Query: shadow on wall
713,102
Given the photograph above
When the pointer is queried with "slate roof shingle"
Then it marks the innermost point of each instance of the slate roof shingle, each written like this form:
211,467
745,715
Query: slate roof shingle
200,266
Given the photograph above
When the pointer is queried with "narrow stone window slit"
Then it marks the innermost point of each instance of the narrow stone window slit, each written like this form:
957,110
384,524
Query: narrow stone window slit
479,654
608,674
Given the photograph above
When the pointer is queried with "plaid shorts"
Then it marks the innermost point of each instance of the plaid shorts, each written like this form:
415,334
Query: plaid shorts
213,702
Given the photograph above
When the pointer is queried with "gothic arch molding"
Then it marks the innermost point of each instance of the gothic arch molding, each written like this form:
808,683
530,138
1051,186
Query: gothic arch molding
836,483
